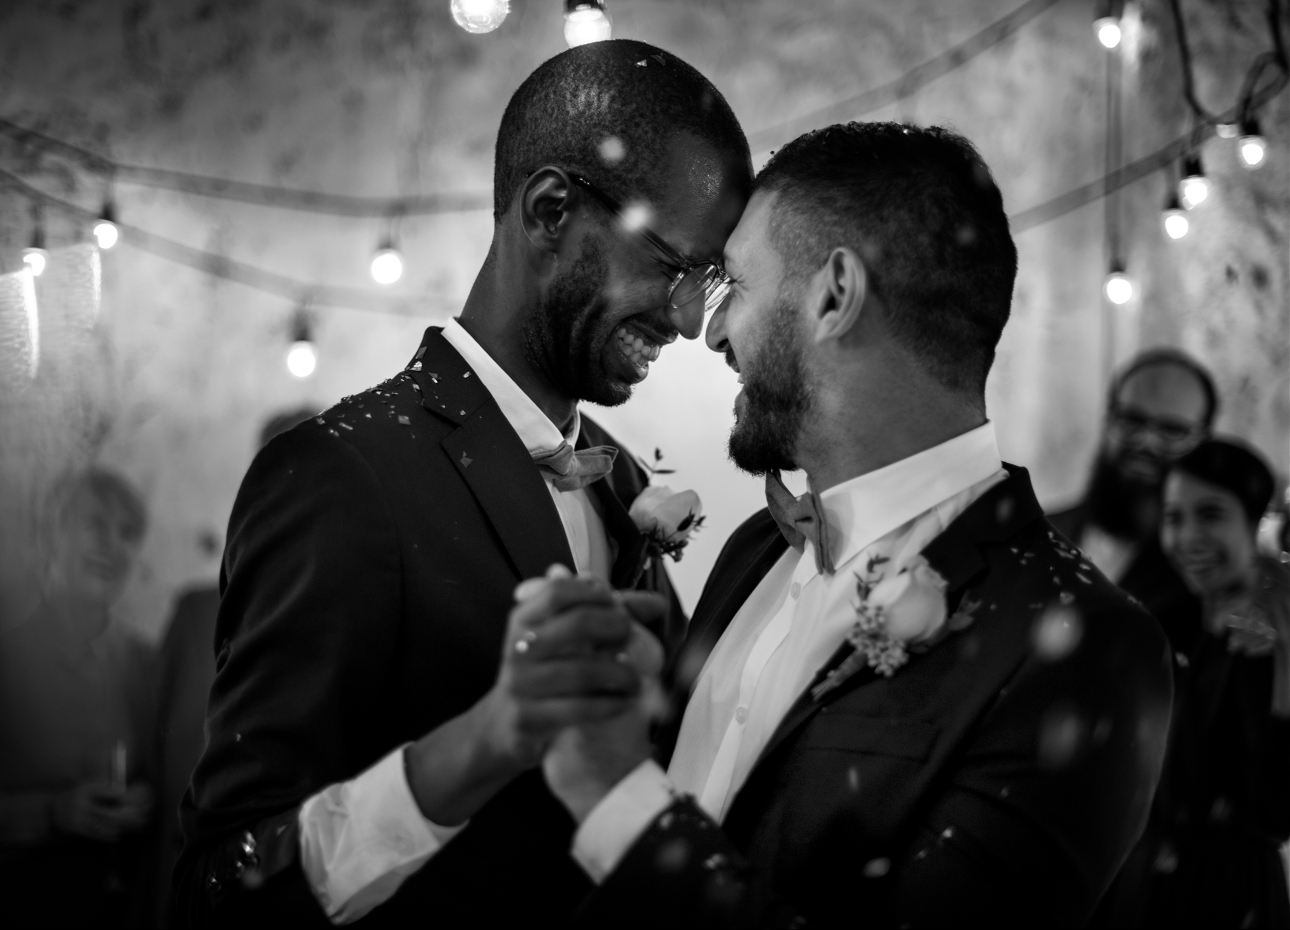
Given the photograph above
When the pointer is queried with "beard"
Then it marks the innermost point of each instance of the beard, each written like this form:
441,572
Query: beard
565,336
777,399
1125,506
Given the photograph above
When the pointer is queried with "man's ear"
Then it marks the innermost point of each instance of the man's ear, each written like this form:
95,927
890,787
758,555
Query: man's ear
838,292
546,204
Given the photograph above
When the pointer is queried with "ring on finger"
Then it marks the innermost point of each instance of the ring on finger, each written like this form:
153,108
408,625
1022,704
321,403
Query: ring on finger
527,639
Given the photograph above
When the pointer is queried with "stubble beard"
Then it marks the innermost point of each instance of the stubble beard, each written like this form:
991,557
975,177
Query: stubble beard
777,399
566,334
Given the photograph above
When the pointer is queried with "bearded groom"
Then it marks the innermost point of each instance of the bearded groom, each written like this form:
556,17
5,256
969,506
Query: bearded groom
904,699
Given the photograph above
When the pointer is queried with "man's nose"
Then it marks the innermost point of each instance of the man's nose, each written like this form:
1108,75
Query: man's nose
687,318
715,337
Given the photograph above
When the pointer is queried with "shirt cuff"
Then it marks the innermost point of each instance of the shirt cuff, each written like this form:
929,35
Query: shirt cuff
614,825
360,839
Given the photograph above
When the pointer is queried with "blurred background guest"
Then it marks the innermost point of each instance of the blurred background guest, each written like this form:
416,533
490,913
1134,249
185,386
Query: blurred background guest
1210,855
187,670
76,719
1159,408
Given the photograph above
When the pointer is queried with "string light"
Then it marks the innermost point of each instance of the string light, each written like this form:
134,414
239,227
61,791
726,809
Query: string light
1252,146
1193,187
479,16
1119,286
387,263
586,21
35,255
105,229
1108,31
302,357
1106,23
1175,218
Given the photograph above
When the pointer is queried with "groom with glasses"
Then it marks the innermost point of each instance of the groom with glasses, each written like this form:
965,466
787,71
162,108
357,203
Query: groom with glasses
903,699
379,709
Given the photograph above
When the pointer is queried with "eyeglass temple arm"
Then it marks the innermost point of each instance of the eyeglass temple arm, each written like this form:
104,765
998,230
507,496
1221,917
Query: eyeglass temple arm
643,231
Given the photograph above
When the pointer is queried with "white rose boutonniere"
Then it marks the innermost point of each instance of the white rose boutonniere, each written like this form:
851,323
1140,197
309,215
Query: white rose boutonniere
667,518
895,614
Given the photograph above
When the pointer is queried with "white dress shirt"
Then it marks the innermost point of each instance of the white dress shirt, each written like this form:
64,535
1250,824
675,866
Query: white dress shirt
786,630
360,839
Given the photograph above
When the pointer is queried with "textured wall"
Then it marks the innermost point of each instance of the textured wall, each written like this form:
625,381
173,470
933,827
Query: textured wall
167,372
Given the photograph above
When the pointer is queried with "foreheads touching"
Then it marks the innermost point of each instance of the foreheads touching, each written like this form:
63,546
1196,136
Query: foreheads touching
920,209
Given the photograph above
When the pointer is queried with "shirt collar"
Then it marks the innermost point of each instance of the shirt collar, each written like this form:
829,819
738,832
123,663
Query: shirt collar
864,509
534,427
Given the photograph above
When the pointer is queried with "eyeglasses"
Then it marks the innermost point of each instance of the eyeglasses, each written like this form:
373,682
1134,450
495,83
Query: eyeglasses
693,280
1176,436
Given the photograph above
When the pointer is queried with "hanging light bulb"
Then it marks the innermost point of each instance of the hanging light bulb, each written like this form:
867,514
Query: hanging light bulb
302,357
479,16
1252,146
1119,286
1175,218
105,229
35,256
1108,31
586,21
387,263
1193,188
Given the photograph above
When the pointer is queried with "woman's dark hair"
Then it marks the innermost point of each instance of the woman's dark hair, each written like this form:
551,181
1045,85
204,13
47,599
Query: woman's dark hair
1235,467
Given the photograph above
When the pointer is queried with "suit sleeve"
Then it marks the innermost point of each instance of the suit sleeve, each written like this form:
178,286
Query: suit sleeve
307,630
1029,827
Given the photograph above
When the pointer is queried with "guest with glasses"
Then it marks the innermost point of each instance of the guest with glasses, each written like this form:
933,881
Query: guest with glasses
1159,408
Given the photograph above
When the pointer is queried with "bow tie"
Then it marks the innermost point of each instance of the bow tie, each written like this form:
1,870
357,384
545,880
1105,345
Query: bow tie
573,470
800,518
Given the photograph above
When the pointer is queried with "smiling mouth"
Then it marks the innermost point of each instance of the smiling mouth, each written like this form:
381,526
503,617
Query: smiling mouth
639,347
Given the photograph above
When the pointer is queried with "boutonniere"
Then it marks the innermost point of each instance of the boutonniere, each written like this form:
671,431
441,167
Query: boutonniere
896,614
666,518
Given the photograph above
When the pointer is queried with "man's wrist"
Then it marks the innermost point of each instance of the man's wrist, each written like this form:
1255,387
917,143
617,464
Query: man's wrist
456,768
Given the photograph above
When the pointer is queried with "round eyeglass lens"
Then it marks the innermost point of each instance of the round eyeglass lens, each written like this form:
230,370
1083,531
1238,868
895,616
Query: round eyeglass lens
694,285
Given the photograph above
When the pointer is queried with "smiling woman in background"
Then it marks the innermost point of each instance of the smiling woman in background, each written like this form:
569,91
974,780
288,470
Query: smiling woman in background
1210,856
76,719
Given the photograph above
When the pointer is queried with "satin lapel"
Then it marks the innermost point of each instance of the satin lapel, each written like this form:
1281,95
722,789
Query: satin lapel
711,618
630,544
491,459
956,555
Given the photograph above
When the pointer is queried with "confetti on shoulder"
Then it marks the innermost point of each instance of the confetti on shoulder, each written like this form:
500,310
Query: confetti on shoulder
404,421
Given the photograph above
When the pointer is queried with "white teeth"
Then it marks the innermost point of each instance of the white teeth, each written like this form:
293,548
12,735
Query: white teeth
639,352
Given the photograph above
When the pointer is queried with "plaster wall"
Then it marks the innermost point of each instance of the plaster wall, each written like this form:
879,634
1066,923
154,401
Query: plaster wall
167,371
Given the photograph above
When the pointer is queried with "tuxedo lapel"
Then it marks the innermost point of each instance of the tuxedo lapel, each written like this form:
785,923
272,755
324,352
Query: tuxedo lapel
630,545
491,459
956,556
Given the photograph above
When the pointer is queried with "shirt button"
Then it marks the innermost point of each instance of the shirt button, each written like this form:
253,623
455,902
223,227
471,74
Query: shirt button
795,590
741,714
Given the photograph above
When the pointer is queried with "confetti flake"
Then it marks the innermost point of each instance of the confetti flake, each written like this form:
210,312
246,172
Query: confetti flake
344,425
420,352
465,460
404,421
319,420
466,375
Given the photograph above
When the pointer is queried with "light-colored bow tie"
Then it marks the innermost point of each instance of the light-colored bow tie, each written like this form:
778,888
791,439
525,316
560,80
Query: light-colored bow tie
799,519
571,470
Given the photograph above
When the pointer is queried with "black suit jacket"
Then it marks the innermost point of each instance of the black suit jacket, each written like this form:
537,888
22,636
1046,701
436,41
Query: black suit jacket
1151,579
371,556
986,783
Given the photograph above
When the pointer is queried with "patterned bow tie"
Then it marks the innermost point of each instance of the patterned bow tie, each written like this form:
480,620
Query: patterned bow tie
573,470
800,518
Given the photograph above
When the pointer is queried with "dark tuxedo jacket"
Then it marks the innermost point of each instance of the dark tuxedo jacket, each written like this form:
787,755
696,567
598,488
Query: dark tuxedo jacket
371,556
1151,579
991,781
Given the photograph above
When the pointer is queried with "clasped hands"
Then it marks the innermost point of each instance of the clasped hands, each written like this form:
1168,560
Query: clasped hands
584,671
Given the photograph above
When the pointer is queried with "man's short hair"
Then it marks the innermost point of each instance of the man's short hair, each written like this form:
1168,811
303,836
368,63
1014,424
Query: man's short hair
1165,356
920,208
607,110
